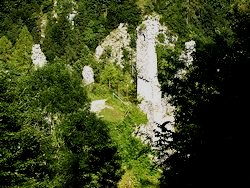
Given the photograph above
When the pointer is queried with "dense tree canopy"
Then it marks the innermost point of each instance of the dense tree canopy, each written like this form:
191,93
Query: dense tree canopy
209,143
49,137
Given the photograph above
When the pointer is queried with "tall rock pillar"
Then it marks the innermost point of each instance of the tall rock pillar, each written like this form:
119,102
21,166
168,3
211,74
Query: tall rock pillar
148,87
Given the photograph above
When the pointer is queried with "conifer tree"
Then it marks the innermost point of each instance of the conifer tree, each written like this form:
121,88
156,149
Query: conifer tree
5,49
21,56
48,136
22,159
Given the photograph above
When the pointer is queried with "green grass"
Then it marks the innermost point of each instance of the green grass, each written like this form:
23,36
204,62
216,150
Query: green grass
112,115
122,118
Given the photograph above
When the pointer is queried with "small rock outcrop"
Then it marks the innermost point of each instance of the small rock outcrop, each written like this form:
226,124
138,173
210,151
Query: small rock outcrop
115,43
88,75
187,58
38,57
97,106
71,17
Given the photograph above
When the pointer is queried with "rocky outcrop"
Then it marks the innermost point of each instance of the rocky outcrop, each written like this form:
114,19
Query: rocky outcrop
187,58
73,13
71,17
98,105
114,44
38,57
88,75
148,87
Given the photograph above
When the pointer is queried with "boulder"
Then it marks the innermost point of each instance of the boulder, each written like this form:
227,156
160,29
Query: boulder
88,75
38,57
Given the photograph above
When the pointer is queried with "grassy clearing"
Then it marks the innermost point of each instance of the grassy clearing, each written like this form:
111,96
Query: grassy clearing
112,115
123,118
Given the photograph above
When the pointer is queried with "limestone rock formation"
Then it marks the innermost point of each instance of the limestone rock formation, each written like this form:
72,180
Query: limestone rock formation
148,87
38,57
97,105
187,58
73,13
88,75
115,43
71,17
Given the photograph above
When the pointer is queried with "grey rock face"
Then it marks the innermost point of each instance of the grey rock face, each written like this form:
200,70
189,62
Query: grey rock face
118,40
88,75
38,57
148,87
187,58
98,105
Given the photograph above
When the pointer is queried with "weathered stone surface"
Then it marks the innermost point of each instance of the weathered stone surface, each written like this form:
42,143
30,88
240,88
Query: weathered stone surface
148,87
97,105
38,57
71,17
116,42
88,75
187,58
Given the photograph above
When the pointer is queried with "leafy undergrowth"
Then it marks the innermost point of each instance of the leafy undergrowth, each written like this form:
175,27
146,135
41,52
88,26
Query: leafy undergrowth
123,118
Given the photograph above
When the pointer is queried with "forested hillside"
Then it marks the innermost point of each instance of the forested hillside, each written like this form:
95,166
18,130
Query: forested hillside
50,136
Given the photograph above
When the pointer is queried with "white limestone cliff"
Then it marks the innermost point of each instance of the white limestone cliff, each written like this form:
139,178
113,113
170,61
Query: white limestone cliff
148,87
38,57
156,107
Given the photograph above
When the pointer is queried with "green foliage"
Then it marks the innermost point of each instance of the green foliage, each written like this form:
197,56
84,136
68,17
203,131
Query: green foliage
16,14
166,68
5,49
21,57
123,118
134,154
161,38
125,11
111,76
94,21
112,114
207,129
57,33
48,136
57,90
117,80
195,19
23,159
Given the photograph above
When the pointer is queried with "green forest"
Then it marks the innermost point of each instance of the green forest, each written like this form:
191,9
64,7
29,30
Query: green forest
50,138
